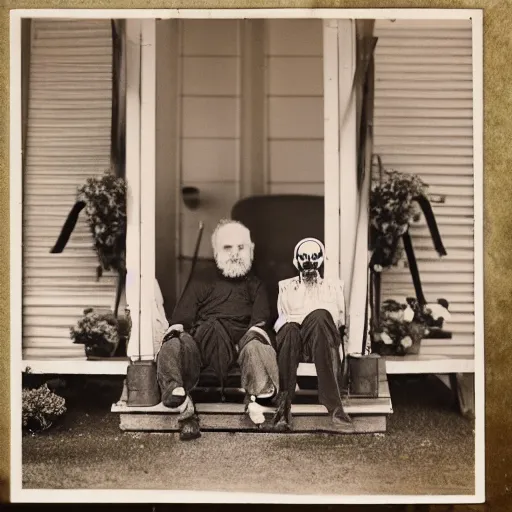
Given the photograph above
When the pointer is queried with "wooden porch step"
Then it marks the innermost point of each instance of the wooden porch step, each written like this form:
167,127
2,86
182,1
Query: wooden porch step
368,415
221,420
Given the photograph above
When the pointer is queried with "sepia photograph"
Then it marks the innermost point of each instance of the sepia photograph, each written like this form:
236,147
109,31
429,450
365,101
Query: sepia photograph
246,256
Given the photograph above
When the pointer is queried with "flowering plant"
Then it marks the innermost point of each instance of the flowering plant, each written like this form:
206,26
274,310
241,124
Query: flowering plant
40,408
105,207
392,209
403,326
101,333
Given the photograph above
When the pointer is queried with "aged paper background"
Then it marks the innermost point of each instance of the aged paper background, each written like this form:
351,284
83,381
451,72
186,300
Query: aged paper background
497,197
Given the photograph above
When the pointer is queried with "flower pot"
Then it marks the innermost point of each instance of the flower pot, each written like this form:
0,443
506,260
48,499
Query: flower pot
414,349
100,351
142,384
416,333
364,375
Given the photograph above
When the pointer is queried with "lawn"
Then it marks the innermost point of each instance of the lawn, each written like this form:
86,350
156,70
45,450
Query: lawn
428,449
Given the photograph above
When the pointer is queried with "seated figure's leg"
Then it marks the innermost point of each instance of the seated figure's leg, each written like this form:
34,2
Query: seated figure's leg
178,366
258,365
217,347
289,354
178,369
322,343
260,375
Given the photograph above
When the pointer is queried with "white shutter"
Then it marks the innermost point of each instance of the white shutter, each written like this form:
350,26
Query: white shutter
423,125
68,140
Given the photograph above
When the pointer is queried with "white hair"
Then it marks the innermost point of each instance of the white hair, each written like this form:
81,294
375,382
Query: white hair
227,222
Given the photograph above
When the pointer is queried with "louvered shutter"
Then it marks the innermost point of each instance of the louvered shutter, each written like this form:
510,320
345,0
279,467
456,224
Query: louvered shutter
68,140
423,125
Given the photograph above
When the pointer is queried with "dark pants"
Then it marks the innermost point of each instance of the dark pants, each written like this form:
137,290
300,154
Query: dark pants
316,340
180,360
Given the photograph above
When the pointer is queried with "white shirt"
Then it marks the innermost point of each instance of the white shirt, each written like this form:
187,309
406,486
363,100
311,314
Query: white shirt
296,300
160,323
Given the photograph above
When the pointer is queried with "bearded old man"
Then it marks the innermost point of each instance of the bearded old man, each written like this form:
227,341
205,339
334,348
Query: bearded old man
219,323
311,313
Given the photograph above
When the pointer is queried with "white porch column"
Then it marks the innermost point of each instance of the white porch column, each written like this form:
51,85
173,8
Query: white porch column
340,151
331,149
349,200
133,182
340,161
147,187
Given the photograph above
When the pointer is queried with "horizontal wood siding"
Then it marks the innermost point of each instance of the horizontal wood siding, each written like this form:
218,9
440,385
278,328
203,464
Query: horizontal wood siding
210,133
68,140
423,125
295,115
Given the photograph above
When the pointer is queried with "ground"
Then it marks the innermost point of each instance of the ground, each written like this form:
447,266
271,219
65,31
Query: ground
428,449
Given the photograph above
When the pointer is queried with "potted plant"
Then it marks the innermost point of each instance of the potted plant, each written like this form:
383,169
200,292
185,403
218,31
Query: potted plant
41,408
102,333
402,326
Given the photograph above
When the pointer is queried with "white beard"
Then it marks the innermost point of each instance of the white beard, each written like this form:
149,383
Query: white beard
234,268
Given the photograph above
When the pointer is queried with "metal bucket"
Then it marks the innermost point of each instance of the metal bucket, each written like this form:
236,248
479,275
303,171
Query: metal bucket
142,384
364,375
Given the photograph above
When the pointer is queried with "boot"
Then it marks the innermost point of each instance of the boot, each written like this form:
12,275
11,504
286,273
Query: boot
282,420
189,428
188,421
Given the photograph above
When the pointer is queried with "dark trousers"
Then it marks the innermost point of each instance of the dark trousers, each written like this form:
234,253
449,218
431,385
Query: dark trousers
180,360
316,340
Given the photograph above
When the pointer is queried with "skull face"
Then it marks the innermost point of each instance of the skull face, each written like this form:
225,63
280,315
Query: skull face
309,257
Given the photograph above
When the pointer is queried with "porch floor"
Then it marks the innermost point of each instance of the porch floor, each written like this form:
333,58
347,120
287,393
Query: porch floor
368,414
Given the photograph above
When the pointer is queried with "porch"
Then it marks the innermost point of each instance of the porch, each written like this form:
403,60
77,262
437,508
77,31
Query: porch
292,75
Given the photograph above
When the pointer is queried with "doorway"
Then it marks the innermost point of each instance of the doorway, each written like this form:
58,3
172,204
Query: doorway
246,118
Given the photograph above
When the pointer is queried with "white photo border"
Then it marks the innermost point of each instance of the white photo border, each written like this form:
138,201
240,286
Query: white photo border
18,494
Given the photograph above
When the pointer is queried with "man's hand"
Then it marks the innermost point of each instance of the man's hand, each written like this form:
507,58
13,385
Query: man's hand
174,331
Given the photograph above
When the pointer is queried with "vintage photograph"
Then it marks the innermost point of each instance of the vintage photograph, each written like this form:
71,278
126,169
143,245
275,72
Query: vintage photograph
246,255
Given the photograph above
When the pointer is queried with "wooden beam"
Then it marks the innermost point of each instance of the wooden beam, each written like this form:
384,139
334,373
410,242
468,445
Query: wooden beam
252,108
331,148
168,423
133,35
349,200
351,406
68,366
26,50
148,186
429,364
15,261
166,159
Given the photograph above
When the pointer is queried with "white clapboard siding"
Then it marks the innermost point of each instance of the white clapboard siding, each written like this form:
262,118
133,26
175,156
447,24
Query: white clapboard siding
68,140
295,110
210,89
423,125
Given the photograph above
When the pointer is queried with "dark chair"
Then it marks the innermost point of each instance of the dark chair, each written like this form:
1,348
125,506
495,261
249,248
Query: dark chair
277,223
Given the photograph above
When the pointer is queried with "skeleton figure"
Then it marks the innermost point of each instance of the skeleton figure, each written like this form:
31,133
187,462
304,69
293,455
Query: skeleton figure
311,312
221,321
308,259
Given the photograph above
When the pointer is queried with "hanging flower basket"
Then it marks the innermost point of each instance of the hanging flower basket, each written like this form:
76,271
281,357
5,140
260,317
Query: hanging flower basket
392,209
105,208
